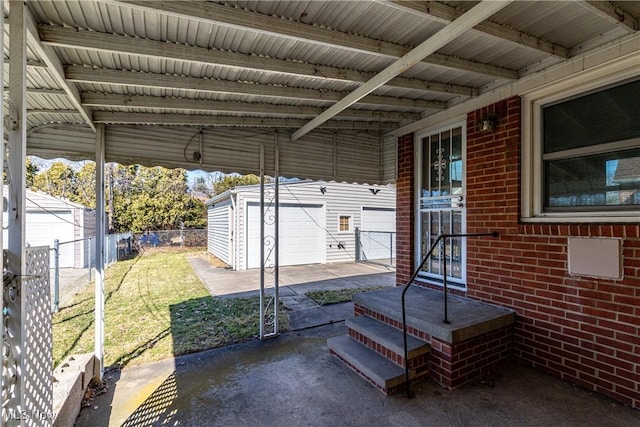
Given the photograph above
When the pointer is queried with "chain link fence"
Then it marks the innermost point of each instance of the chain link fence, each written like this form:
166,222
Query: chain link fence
172,238
377,247
117,247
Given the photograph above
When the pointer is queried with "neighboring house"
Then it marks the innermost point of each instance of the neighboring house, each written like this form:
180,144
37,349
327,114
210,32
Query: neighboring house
318,221
49,218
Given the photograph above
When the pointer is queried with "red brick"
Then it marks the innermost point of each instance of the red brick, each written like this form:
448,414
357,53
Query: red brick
573,318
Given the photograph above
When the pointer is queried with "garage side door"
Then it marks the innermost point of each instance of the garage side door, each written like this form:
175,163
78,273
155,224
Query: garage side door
42,228
378,239
302,234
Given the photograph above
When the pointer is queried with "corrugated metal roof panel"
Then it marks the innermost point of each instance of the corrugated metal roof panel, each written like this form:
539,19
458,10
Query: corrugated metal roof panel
565,23
569,24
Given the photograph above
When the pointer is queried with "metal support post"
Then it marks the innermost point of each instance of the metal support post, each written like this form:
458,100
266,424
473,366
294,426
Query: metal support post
100,249
276,243
269,212
262,293
56,275
3,359
15,283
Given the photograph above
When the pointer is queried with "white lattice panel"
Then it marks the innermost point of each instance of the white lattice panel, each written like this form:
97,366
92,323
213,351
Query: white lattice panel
38,369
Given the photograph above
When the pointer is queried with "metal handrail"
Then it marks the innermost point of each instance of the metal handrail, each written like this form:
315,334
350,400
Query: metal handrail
442,237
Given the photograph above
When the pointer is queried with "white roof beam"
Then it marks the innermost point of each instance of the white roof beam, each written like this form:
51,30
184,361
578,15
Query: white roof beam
114,43
227,121
55,67
168,103
446,14
237,18
130,78
613,14
468,20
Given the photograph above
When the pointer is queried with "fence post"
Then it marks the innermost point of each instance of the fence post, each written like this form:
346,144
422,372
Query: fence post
56,275
357,244
89,263
391,248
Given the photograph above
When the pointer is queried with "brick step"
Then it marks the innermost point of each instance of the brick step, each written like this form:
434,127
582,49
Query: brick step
385,375
387,341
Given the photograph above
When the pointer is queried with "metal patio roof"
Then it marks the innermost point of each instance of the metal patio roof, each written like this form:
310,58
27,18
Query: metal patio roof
280,64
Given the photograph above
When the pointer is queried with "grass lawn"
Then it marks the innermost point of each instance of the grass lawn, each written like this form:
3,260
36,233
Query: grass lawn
338,296
155,308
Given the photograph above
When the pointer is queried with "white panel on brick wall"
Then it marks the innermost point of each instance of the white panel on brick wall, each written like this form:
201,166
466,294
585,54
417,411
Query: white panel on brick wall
595,257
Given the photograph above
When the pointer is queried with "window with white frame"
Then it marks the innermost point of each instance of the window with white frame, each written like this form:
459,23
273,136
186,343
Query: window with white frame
586,154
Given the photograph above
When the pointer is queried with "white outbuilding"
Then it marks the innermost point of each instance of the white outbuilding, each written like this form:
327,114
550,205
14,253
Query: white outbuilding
50,218
318,223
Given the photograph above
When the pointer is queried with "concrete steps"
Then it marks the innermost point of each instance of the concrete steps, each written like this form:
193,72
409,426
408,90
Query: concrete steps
476,337
386,340
381,372
375,351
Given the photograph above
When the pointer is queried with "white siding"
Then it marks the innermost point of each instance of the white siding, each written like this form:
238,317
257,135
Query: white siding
43,227
48,218
338,199
219,232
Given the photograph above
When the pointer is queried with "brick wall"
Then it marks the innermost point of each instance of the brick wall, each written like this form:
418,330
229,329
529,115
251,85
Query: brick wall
584,330
405,212
453,365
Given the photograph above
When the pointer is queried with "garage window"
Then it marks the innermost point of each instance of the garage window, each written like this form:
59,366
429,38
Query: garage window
344,223
586,154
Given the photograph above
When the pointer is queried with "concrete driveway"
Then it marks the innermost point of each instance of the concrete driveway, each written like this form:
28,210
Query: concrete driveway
293,280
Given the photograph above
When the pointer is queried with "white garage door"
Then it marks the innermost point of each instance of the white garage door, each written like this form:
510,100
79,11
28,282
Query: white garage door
378,238
42,228
302,235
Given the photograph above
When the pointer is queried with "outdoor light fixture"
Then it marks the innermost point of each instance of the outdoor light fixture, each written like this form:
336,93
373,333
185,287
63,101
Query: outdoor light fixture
489,122
323,190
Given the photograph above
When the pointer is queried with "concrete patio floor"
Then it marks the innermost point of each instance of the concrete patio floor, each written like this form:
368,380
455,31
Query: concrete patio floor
293,381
